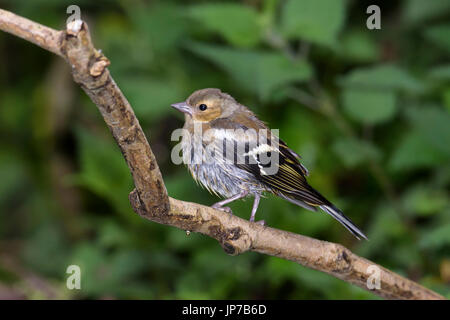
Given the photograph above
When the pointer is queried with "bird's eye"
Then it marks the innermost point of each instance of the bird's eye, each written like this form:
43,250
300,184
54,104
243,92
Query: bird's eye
203,107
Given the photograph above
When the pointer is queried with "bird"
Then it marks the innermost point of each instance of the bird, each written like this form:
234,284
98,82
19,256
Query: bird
233,154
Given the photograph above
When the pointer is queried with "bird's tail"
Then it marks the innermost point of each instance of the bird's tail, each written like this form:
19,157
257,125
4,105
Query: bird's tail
311,199
345,221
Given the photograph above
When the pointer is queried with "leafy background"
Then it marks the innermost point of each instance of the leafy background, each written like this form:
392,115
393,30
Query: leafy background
367,109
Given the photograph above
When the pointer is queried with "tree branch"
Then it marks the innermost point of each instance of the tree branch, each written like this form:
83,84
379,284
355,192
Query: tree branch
150,198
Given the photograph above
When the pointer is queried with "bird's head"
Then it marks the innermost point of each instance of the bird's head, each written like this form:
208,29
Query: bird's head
206,105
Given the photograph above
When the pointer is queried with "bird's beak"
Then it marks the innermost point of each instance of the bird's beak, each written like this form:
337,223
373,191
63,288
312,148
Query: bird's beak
183,107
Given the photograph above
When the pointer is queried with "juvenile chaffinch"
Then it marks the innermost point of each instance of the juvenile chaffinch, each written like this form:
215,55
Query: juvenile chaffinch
234,155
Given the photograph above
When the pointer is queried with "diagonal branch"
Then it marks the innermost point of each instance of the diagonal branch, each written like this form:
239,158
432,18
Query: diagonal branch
150,198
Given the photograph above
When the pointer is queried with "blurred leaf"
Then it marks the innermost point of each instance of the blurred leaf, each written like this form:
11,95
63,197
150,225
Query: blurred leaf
163,260
382,77
441,72
127,264
223,264
359,46
281,270
369,106
416,11
446,98
258,71
425,200
354,152
13,111
112,234
413,151
107,274
116,36
237,23
384,229
188,287
91,261
318,21
182,186
406,256
14,174
436,238
306,222
433,123
46,250
151,98
163,25
312,130
181,240
103,169
439,35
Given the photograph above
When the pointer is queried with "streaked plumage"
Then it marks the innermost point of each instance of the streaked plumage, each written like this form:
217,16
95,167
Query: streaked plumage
242,172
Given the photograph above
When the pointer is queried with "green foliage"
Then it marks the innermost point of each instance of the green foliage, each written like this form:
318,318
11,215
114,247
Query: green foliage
163,93
238,24
437,238
387,77
369,106
258,71
318,21
414,152
440,72
418,11
358,46
103,169
425,144
370,94
439,35
425,200
432,122
368,110
354,152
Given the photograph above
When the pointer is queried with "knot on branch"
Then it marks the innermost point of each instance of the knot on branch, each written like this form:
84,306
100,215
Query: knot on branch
88,64
234,241
99,66
136,203
159,213
342,262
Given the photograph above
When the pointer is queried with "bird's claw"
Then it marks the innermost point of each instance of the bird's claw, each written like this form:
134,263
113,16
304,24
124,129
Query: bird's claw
261,222
224,209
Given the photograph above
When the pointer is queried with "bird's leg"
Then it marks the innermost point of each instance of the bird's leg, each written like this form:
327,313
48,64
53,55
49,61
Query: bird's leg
255,207
220,205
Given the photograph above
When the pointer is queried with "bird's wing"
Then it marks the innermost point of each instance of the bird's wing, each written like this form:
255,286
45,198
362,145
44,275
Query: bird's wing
247,120
287,180
270,160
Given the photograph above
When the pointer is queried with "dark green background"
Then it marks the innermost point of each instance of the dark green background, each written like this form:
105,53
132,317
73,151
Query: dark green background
367,109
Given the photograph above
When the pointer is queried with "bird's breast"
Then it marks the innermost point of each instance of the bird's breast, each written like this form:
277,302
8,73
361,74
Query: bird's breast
216,173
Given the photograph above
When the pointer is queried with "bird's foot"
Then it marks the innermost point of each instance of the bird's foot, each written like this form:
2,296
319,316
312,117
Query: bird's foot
260,222
224,209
